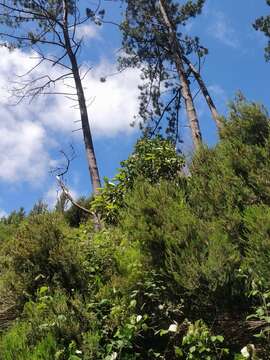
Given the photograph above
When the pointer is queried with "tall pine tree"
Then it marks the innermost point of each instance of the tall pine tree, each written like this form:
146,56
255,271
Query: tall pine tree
154,40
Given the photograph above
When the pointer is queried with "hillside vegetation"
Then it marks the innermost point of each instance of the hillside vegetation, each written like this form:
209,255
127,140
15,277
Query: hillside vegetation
179,270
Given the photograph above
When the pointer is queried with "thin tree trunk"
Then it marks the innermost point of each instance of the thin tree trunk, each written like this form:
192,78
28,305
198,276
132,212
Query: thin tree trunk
88,141
186,93
205,92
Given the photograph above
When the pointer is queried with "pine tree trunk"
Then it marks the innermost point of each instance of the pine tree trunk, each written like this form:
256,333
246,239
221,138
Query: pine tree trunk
186,92
88,141
205,92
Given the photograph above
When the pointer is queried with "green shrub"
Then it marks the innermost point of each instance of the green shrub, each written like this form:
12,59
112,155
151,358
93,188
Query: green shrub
32,253
91,347
46,251
199,344
46,349
152,217
257,238
153,160
13,345
247,122
199,256
233,175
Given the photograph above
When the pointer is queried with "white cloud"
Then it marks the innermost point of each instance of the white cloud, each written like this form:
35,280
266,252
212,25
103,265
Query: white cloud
114,101
112,104
29,131
23,141
222,29
51,196
23,153
88,31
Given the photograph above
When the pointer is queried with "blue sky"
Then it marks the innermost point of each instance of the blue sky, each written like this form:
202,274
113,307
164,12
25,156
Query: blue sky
32,135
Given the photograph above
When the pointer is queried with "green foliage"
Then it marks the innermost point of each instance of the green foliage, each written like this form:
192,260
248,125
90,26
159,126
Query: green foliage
188,258
257,237
91,347
151,160
262,313
263,24
15,217
236,170
30,251
196,255
205,266
13,344
199,344
39,208
247,123
75,216
6,231
45,251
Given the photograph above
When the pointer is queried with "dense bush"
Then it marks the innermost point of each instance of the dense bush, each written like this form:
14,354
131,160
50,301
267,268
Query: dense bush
152,160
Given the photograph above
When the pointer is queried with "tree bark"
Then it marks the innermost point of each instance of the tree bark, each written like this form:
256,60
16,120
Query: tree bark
205,92
186,92
88,141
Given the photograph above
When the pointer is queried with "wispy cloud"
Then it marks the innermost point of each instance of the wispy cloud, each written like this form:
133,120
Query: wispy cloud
89,31
218,92
222,29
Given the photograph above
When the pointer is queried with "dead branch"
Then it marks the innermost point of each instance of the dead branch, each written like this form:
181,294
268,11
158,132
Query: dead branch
61,172
70,198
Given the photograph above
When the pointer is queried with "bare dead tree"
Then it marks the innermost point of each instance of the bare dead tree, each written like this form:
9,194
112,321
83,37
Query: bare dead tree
50,29
60,172
69,197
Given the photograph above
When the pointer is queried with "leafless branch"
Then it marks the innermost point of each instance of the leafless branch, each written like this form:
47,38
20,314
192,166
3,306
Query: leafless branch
61,172
164,111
